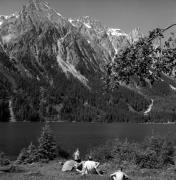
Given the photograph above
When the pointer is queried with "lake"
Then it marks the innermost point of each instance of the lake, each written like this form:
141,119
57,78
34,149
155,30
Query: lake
15,136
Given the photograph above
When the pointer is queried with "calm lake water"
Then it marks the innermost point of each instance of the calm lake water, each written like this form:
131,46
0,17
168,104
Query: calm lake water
15,136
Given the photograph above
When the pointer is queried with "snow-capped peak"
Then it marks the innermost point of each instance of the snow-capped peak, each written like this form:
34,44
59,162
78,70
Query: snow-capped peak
10,16
70,20
115,32
5,17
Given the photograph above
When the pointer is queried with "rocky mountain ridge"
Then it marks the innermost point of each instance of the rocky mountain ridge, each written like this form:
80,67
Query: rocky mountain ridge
52,68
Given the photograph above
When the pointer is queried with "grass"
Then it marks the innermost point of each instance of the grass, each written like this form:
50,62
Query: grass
52,171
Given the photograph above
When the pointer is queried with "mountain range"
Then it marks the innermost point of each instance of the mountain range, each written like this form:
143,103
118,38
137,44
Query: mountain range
51,69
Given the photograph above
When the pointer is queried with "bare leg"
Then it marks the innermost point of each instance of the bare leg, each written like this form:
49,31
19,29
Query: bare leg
79,171
97,171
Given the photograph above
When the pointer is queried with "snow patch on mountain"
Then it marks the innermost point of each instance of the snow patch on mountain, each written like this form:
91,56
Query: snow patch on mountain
5,17
12,115
172,87
149,108
87,25
59,14
115,32
71,21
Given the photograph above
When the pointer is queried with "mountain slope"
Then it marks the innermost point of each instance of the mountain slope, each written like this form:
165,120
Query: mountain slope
51,69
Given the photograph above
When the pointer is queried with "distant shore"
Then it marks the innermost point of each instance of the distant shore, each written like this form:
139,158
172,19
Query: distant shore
62,121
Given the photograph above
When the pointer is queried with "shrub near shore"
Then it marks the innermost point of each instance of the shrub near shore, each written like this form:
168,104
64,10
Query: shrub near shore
154,153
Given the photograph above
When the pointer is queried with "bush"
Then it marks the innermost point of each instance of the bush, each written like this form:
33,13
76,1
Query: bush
155,152
125,151
22,156
102,153
4,160
147,159
47,148
28,155
115,150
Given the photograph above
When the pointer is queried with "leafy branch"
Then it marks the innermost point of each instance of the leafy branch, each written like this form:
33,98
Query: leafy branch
142,60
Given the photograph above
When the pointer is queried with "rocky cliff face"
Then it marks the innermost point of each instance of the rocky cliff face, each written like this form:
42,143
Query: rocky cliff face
40,32
48,52
111,40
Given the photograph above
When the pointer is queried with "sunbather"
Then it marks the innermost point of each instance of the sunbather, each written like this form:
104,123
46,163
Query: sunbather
119,175
90,167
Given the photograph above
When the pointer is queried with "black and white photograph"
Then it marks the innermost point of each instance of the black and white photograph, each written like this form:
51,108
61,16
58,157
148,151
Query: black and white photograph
87,89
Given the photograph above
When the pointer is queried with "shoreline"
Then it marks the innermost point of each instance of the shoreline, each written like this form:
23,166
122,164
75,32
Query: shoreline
75,122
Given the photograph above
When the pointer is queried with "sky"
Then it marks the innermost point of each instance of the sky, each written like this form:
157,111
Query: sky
123,14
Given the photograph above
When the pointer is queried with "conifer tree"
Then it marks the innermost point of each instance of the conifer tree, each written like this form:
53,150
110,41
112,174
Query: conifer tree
33,153
28,155
47,147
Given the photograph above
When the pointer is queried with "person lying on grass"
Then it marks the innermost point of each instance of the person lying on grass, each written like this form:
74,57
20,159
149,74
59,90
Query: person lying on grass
89,167
119,175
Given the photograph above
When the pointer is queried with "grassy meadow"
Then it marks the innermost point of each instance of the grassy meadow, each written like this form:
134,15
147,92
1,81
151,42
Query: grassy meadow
52,171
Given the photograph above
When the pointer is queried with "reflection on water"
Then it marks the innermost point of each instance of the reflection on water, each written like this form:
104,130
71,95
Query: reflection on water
15,136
